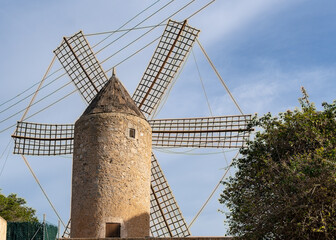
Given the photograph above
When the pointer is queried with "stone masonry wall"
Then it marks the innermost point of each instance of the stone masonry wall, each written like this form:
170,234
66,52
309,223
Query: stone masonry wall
111,175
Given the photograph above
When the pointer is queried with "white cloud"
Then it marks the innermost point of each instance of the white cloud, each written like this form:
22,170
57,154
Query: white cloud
274,89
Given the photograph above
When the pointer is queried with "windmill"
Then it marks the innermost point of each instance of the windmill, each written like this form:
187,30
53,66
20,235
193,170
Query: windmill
80,63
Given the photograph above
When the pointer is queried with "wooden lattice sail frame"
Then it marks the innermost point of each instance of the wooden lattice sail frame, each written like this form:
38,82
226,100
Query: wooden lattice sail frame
84,70
43,139
175,44
210,132
81,65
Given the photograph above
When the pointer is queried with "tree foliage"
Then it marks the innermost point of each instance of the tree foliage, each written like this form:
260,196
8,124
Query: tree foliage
285,184
13,209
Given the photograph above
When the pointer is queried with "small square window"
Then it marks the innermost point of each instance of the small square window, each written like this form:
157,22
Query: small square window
132,132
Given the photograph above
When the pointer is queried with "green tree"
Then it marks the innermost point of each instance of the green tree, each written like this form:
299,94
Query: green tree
13,209
285,184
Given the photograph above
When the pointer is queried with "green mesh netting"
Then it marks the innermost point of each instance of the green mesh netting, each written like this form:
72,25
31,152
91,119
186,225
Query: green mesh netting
30,230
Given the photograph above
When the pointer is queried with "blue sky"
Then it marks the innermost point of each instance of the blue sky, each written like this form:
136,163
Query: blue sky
265,50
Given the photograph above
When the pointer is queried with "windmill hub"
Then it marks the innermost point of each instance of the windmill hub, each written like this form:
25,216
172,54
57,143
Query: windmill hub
111,168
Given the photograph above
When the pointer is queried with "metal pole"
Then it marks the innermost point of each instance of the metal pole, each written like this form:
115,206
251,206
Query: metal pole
58,229
44,216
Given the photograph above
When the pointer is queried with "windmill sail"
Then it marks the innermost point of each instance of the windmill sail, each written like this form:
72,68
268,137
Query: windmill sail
166,219
43,139
79,61
175,44
210,132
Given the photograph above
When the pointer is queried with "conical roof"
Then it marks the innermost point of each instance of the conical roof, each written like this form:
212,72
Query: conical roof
113,97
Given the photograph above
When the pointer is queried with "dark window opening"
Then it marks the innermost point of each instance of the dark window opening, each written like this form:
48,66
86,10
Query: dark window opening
132,132
113,230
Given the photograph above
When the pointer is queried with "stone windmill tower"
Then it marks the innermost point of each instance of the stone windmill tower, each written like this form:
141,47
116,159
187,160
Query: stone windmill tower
118,187
111,167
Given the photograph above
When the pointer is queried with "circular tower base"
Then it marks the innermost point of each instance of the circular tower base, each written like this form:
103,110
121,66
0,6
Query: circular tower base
111,176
